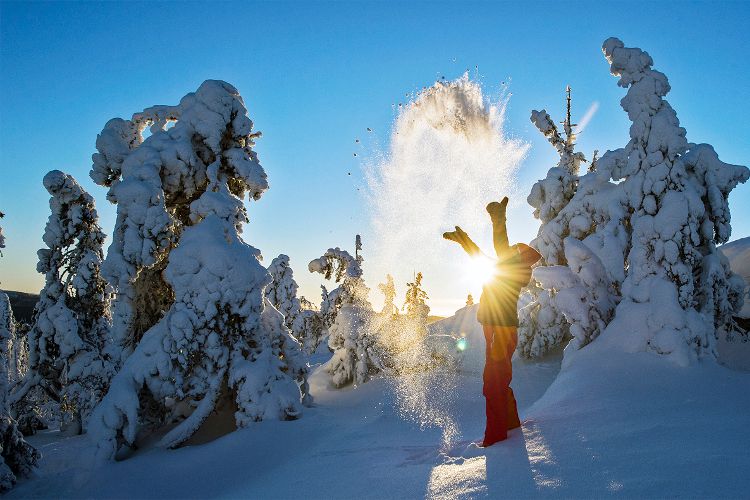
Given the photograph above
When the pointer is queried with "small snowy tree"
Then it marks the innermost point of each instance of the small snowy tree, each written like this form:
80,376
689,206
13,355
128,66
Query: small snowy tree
71,319
679,292
17,457
356,354
415,305
469,300
304,323
282,293
389,292
220,339
2,237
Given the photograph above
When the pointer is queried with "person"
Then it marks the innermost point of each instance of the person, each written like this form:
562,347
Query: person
499,318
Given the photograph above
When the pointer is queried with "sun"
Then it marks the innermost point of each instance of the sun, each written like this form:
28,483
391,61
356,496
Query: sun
481,269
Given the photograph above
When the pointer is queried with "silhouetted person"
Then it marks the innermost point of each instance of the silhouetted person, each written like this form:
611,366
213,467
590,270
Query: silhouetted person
499,318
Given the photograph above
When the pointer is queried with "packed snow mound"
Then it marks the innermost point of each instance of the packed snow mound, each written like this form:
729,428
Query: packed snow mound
449,156
738,253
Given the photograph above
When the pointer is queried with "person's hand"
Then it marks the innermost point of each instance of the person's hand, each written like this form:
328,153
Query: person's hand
497,210
459,235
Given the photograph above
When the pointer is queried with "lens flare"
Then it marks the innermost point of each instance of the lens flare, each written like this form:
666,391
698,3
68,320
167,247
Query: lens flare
462,344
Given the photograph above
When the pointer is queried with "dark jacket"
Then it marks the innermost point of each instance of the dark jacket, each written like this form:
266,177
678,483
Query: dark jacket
498,305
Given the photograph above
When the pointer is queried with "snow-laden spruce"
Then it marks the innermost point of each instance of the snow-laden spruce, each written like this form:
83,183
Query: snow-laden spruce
541,325
17,457
154,181
305,324
356,353
409,349
580,291
644,225
679,294
220,340
71,320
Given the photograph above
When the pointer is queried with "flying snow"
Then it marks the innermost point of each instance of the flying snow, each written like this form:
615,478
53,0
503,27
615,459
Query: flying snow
449,156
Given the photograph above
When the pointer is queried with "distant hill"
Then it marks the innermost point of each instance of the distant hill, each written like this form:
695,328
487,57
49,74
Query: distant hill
738,253
22,304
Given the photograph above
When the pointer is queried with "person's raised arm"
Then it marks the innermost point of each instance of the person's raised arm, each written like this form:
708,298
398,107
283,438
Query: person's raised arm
460,237
499,231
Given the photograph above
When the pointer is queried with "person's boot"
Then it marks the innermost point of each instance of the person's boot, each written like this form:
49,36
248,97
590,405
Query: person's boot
513,421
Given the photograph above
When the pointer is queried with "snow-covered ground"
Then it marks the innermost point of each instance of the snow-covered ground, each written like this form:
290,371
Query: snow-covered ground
610,424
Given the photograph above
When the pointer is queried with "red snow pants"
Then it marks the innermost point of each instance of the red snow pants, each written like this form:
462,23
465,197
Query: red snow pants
502,414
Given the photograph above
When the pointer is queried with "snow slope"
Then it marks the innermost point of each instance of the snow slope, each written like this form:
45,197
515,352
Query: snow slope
738,253
611,424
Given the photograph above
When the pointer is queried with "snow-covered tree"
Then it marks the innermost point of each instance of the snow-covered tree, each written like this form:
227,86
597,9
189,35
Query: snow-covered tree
469,300
153,182
220,340
2,237
550,195
389,292
71,319
17,457
649,216
334,265
356,354
414,304
282,293
304,323
581,291
541,325
679,293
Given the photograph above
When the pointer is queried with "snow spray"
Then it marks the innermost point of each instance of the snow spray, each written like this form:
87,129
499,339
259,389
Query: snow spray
448,158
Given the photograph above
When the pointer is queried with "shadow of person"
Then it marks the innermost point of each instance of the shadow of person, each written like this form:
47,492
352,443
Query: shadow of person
508,469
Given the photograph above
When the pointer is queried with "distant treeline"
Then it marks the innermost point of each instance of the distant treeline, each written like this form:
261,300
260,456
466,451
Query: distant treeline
22,304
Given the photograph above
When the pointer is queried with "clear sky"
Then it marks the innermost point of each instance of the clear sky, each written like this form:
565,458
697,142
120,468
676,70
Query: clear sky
314,75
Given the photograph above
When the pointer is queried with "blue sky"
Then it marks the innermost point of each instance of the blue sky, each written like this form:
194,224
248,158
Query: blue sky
315,75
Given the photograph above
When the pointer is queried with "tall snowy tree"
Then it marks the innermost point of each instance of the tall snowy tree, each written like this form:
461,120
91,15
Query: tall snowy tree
71,320
220,340
17,457
679,293
638,238
153,182
541,325
356,354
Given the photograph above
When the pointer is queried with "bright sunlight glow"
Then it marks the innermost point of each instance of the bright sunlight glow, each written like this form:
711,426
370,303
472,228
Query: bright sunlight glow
481,269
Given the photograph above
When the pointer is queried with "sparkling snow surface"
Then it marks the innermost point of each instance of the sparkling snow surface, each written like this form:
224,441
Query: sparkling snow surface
611,424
